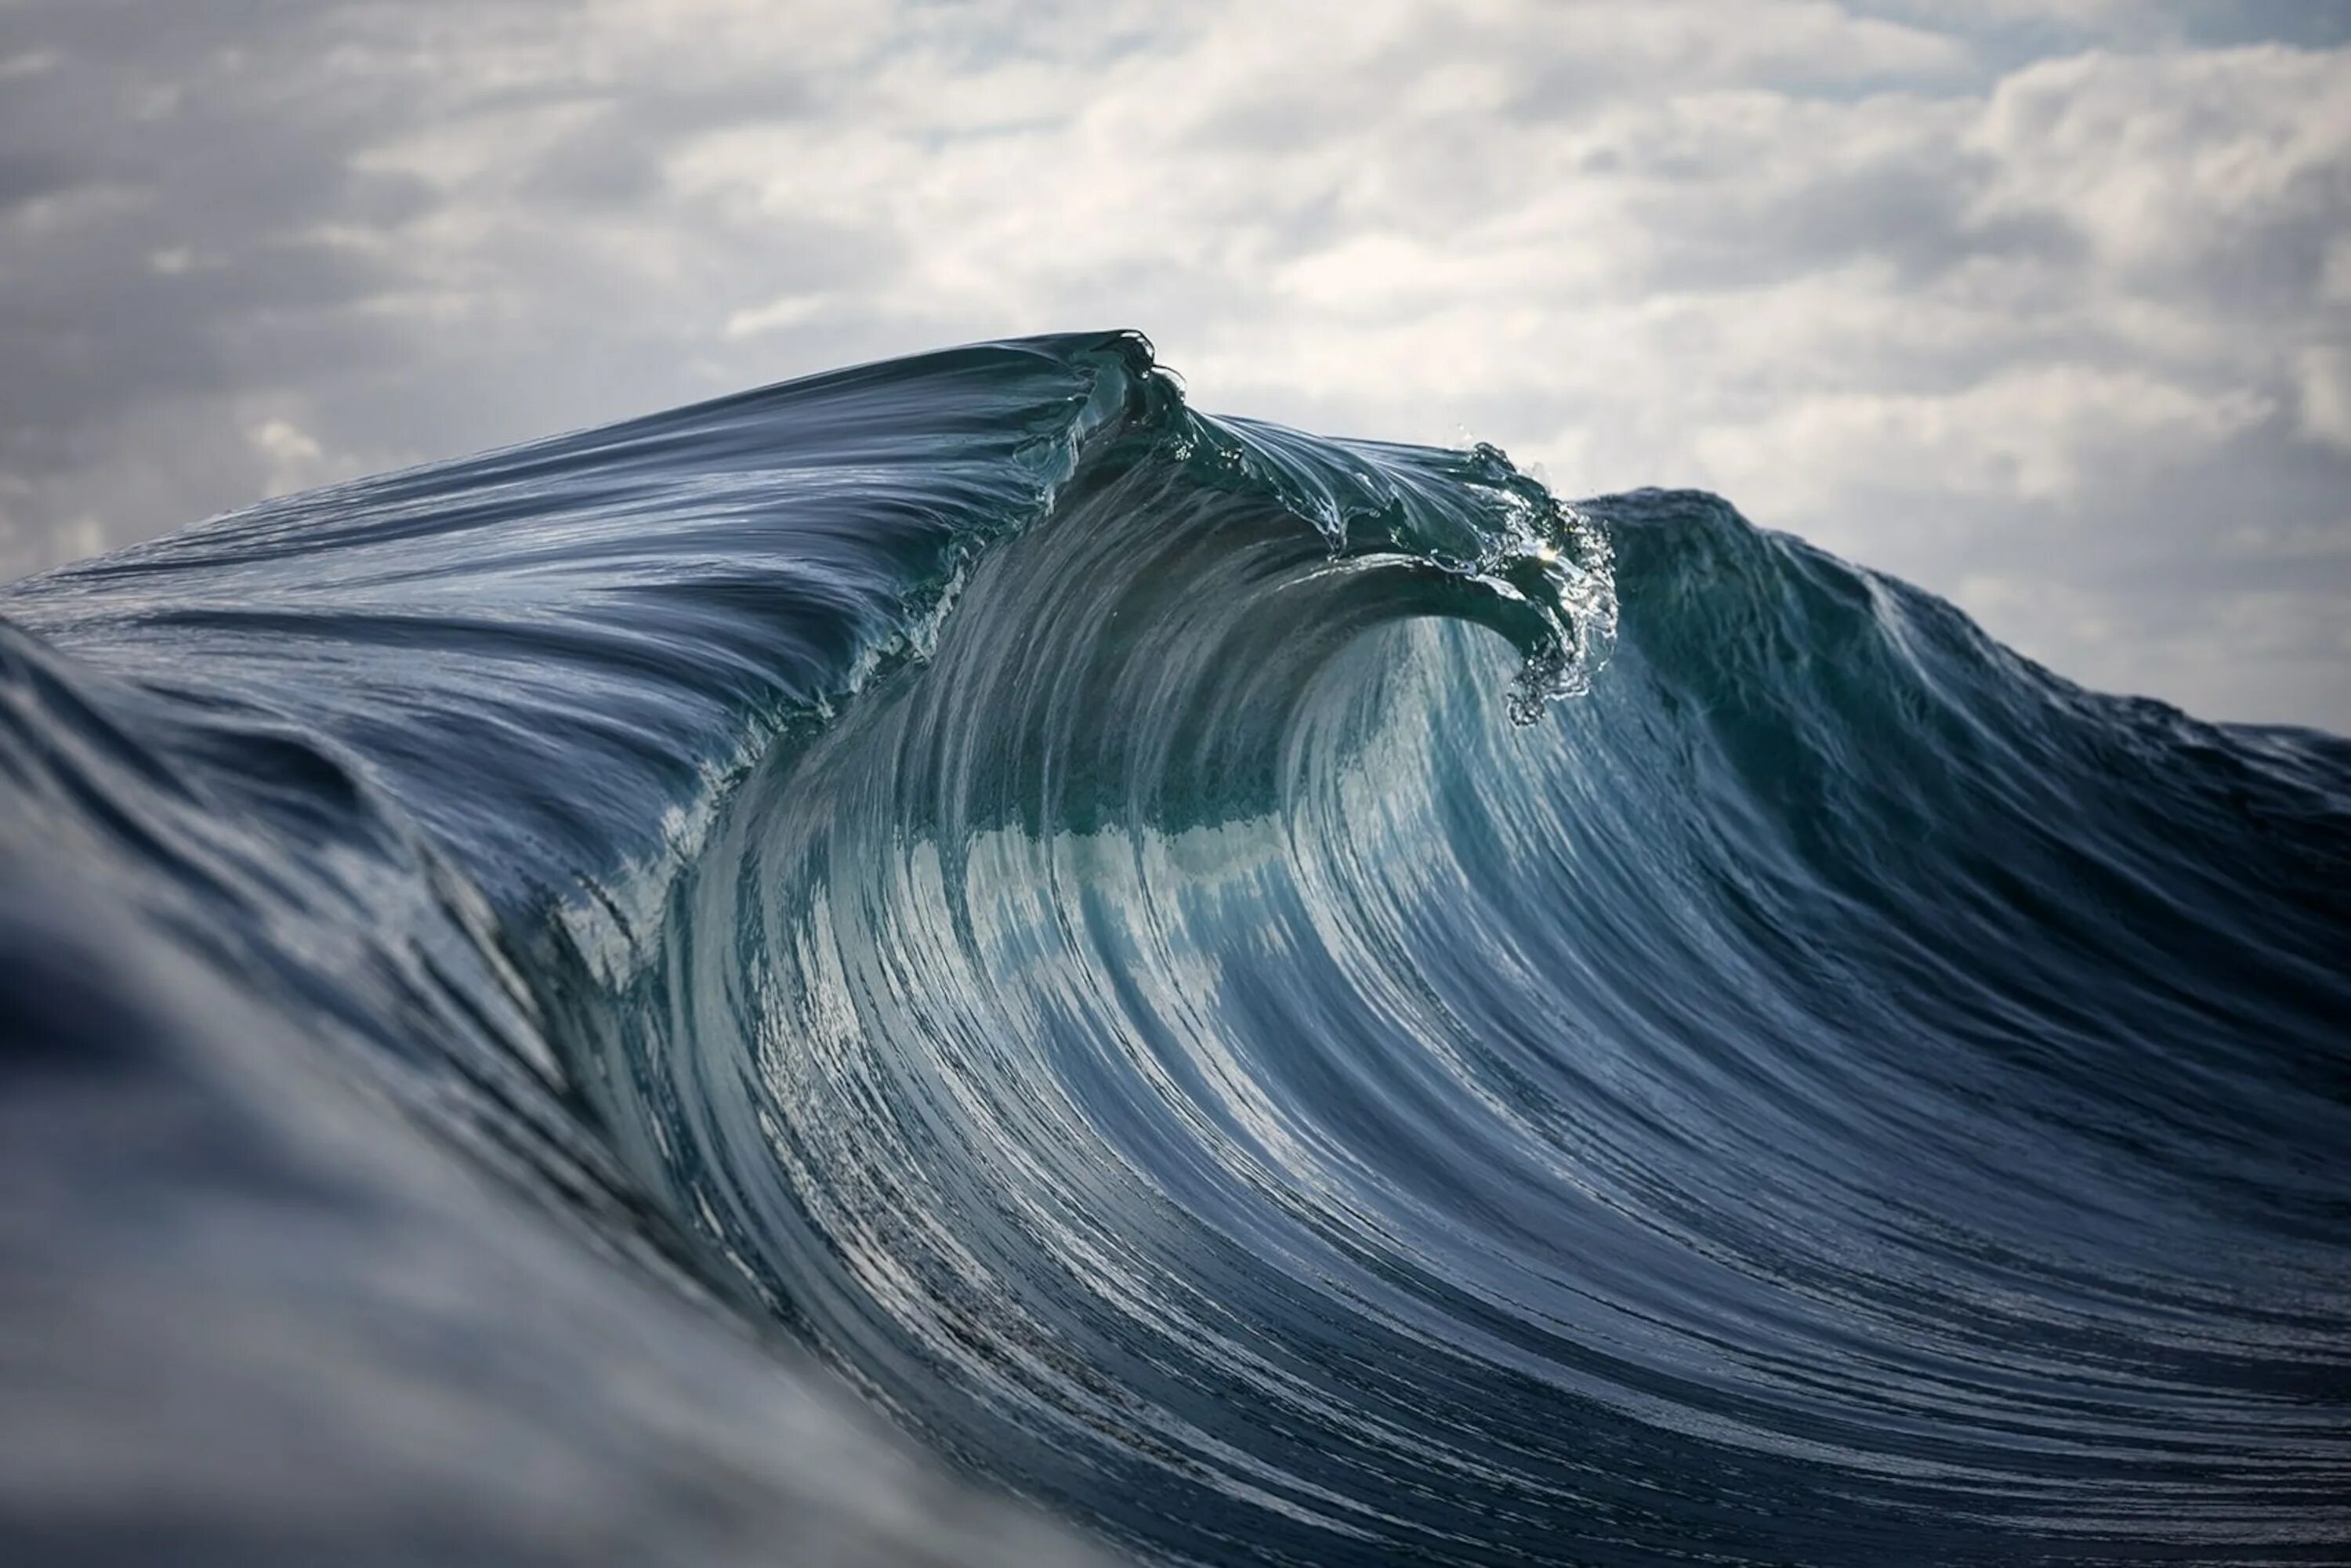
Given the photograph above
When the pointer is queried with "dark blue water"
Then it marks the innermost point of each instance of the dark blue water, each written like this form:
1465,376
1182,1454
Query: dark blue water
956,961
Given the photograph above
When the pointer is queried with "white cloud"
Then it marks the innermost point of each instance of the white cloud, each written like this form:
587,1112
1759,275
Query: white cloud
31,63
2045,436
293,457
2326,396
1965,313
2175,162
784,311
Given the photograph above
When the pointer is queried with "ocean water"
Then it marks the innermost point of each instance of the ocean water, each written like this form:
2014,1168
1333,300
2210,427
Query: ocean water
959,962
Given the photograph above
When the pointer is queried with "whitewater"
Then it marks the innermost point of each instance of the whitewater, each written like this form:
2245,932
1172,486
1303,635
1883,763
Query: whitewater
958,961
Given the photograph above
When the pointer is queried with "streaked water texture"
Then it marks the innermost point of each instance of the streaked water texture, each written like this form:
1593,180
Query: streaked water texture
1281,1000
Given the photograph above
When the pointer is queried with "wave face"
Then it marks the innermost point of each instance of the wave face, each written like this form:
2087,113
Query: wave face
1285,1000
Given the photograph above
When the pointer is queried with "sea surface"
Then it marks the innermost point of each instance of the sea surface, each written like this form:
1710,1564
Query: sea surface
959,962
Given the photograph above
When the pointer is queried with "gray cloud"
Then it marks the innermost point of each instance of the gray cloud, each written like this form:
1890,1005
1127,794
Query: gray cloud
2047,308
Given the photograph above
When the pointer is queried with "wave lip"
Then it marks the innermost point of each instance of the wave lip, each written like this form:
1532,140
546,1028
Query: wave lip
1030,892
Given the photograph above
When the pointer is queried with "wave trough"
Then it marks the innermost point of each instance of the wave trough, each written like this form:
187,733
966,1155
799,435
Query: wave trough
1281,1000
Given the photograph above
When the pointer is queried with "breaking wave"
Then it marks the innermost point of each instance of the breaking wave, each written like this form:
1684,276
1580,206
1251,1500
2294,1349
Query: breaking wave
1281,1000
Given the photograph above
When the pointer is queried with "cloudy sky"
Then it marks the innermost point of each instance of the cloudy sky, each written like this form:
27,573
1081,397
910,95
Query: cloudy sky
2042,304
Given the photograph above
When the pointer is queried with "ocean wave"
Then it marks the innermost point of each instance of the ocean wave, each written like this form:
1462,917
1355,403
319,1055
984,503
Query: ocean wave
1279,1000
